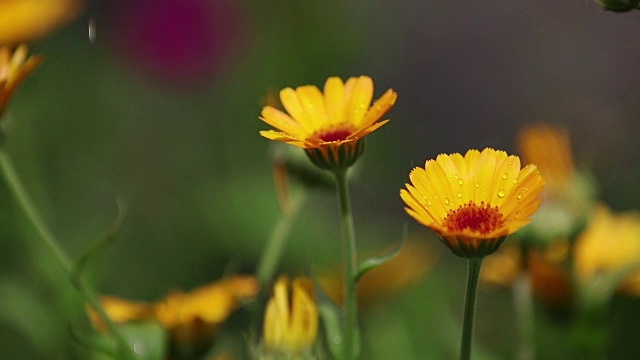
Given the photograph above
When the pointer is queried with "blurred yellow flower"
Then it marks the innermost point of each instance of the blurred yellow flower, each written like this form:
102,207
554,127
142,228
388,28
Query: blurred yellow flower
120,311
291,317
609,248
473,202
198,313
26,20
190,316
329,125
14,67
550,273
503,267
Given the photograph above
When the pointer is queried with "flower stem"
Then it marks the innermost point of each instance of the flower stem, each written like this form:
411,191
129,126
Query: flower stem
350,260
29,209
469,306
523,301
270,257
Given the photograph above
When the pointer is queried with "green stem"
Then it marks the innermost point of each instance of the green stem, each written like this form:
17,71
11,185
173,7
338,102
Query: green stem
470,306
350,260
523,302
270,257
29,209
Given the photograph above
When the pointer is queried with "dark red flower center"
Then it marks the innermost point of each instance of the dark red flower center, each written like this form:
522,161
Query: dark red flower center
332,135
479,218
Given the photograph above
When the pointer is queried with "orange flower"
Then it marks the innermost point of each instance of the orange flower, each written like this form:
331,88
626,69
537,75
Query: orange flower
473,202
26,20
329,126
190,316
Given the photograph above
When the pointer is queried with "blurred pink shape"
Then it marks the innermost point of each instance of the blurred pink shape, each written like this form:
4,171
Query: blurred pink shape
184,42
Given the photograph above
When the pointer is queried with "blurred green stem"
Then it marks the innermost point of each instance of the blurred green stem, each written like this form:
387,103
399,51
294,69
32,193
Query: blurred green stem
470,306
523,302
270,257
29,209
350,259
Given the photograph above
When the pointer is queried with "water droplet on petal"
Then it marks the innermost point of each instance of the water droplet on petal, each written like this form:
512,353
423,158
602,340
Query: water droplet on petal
501,193
505,176
459,195
446,201
519,196
517,213
460,182
477,185
450,176
514,181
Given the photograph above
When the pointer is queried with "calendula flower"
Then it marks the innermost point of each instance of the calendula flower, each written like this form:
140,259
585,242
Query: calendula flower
14,67
188,317
473,202
329,126
291,318
608,251
26,20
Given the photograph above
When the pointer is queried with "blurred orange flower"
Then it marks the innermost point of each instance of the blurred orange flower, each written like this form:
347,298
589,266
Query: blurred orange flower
26,20
189,316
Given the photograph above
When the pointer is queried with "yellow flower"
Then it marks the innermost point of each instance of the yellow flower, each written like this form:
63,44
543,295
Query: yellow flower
120,311
189,317
609,250
473,202
329,126
14,67
25,20
291,317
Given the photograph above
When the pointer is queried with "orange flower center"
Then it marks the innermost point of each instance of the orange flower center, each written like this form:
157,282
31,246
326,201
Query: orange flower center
478,218
339,134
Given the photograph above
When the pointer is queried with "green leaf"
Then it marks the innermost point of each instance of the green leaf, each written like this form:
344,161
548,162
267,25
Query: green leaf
103,241
147,339
374,262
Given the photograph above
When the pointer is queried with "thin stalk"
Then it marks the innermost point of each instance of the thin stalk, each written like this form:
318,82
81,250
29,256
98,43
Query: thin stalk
270,257
523,302
350,259
29,209
470,307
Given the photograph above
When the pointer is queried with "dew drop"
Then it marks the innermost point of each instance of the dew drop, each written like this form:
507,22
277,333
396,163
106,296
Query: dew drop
514,181
501,193
92,31
477,185
459,195
505,176
455,176
460,182
519,196
518,214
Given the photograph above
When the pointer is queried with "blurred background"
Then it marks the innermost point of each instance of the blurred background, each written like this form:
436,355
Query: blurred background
160,108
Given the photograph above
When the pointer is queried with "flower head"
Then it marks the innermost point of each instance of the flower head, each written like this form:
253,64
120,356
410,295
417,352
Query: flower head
189,317
14,67
25,20
608,251
473,202
291,317
329,125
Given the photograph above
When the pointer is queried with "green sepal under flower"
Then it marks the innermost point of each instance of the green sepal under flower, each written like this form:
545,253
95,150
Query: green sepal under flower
338,157
619,5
